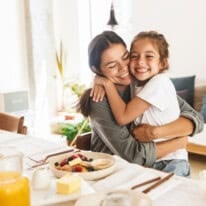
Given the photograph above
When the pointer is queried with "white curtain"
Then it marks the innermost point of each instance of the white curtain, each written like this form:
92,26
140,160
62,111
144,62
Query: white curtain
13,64
41,55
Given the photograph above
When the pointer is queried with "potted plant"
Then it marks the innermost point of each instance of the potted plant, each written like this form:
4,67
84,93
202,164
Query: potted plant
71,131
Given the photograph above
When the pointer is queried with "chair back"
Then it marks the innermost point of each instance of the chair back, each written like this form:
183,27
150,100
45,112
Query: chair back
83,141
12,123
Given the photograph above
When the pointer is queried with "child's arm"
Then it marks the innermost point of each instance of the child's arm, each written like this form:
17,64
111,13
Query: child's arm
97,93
123,113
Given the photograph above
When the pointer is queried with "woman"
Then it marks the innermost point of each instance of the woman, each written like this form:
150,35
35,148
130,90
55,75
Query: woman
109,57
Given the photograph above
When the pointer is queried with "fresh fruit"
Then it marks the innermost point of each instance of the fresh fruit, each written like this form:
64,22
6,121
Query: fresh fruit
73,163
77,168
56,164
63,162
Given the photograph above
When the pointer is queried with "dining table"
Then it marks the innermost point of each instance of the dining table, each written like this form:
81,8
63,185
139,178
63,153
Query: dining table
176,191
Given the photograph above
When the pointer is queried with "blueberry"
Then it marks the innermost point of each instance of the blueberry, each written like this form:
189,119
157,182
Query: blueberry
56,164
70,159
90,169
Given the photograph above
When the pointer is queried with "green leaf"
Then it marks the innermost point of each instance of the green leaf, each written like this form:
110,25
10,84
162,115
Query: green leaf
70,130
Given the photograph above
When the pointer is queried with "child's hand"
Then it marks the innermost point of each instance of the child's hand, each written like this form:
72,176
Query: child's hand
144,133
98,90
101,80
97,93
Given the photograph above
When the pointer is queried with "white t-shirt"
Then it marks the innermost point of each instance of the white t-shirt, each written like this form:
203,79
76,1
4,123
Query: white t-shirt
161,94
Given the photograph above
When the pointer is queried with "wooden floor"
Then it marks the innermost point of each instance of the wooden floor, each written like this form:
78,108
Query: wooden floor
197,163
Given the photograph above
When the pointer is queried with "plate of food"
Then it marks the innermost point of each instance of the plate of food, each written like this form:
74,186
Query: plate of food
89,165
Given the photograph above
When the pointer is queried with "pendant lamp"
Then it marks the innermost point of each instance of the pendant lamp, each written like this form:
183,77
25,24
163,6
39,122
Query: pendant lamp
112,20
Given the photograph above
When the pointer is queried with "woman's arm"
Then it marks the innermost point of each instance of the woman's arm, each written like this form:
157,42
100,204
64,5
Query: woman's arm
195,117
190,123
165,147
180,127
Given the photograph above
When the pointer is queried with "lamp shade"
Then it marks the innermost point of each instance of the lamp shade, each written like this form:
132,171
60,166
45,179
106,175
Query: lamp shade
112,20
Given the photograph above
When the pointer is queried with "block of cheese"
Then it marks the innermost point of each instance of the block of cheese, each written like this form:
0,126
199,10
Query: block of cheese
75,161
68,184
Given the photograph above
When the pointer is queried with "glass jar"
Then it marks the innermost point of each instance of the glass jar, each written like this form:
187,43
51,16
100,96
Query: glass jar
117,198
14,188
202,183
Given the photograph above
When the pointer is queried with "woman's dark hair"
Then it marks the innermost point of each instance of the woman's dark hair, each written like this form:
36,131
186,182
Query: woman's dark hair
96,47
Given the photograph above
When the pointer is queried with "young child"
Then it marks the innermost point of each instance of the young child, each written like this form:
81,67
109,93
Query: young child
154,99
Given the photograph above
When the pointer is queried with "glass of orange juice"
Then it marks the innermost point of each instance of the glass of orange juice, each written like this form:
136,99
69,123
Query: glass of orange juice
14,188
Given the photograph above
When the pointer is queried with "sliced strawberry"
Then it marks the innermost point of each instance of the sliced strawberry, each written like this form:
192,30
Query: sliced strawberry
78,168
80,155
63,162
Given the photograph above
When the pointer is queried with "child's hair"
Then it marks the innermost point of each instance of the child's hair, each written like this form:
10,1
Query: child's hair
158,40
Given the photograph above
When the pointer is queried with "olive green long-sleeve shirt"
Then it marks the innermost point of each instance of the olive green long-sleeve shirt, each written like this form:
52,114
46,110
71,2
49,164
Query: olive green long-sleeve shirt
109,137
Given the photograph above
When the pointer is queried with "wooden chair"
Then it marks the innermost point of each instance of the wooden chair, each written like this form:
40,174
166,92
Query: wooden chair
83,141
12,123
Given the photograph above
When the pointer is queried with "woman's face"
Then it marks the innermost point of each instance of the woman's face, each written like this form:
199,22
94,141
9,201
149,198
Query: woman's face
114,64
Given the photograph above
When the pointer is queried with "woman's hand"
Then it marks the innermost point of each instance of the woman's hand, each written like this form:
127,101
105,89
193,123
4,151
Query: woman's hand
178,128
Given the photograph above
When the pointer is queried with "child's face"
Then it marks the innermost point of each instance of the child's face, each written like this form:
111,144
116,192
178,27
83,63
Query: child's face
144,60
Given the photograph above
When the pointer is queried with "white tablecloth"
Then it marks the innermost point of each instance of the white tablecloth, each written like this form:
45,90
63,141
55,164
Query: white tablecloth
177,191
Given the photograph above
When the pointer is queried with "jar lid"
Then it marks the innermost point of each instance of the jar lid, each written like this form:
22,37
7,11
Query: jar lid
10,159
6,151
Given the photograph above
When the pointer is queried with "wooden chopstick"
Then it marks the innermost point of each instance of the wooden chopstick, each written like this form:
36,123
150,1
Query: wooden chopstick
158,183
145,183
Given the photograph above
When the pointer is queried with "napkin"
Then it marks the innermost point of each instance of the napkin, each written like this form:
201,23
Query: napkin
125,172
128,174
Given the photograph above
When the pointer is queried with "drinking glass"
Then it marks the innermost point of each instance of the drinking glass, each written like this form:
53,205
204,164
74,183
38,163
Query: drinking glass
202,183
117,198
